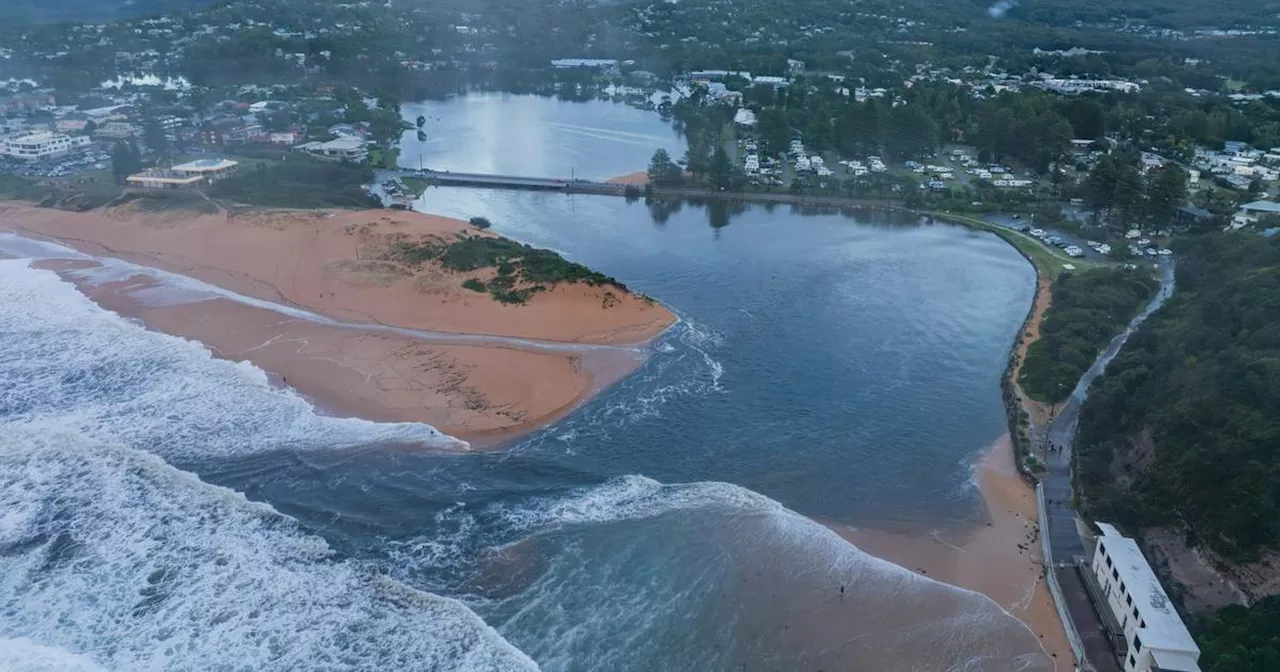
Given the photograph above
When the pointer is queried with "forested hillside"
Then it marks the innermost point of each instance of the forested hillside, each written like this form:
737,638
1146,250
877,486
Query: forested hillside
1184,428
1237,639
1087,311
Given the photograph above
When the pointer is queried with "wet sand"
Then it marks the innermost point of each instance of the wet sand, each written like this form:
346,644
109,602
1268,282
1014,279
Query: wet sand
1000,558
480,390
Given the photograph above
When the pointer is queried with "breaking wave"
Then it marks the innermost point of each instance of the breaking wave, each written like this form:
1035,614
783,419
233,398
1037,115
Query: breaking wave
636,574
67,361
114,555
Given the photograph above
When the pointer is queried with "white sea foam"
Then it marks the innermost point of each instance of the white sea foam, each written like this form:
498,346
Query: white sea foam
110,556
684,367
21,654
65,360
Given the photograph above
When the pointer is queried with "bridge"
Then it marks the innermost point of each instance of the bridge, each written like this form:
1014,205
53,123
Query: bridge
448,178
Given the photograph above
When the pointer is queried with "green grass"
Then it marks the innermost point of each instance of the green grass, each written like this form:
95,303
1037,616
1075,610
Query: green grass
380,157
22,189
77,192
299,182
1047,260
414,186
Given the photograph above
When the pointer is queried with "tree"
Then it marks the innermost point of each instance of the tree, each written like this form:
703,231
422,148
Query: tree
1166,192
155,137
775,131
663,172
721,170
817,135
125,160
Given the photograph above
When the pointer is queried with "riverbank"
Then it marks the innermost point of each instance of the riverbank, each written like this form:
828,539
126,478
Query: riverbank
1000,558
460,361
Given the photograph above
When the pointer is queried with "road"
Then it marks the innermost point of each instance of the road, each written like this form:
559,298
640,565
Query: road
1064,536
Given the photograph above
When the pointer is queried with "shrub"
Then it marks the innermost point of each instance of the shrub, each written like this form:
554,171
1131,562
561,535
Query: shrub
475,285
481,222
300,182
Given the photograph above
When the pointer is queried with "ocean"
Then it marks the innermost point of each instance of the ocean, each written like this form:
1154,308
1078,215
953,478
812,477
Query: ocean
164,509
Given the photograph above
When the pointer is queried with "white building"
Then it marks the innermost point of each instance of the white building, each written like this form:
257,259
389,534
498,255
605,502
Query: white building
41,146
348,148
185,176
1155,639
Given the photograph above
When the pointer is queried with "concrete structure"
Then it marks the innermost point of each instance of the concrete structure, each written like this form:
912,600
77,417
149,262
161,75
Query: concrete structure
348,148
44,145
186,175
1152,637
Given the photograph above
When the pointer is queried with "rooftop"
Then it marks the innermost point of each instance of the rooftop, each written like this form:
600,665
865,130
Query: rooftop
343,143
1261,206
204,165
1164,628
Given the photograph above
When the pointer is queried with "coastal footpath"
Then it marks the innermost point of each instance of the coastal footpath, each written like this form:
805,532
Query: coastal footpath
366,312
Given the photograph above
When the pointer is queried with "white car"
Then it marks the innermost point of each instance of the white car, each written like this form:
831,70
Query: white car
1073,251
1038,233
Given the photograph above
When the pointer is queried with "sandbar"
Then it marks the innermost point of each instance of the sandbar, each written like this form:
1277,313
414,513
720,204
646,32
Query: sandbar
638,178
460,363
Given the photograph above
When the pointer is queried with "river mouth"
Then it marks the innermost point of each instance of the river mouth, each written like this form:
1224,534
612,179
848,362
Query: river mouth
824,368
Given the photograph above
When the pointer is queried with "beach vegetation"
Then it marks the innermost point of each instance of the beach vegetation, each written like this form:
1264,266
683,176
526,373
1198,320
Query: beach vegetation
300,182
1184,427
480,222
1088,310
521,270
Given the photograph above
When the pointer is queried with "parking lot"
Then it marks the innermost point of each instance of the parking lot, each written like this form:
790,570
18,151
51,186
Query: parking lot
1073,245
67,166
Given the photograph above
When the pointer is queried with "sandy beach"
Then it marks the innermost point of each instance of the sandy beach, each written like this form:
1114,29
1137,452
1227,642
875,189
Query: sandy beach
1041,414
638,178
481,390
1000,558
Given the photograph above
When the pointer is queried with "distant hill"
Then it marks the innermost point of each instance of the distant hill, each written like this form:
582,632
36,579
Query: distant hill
49,11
